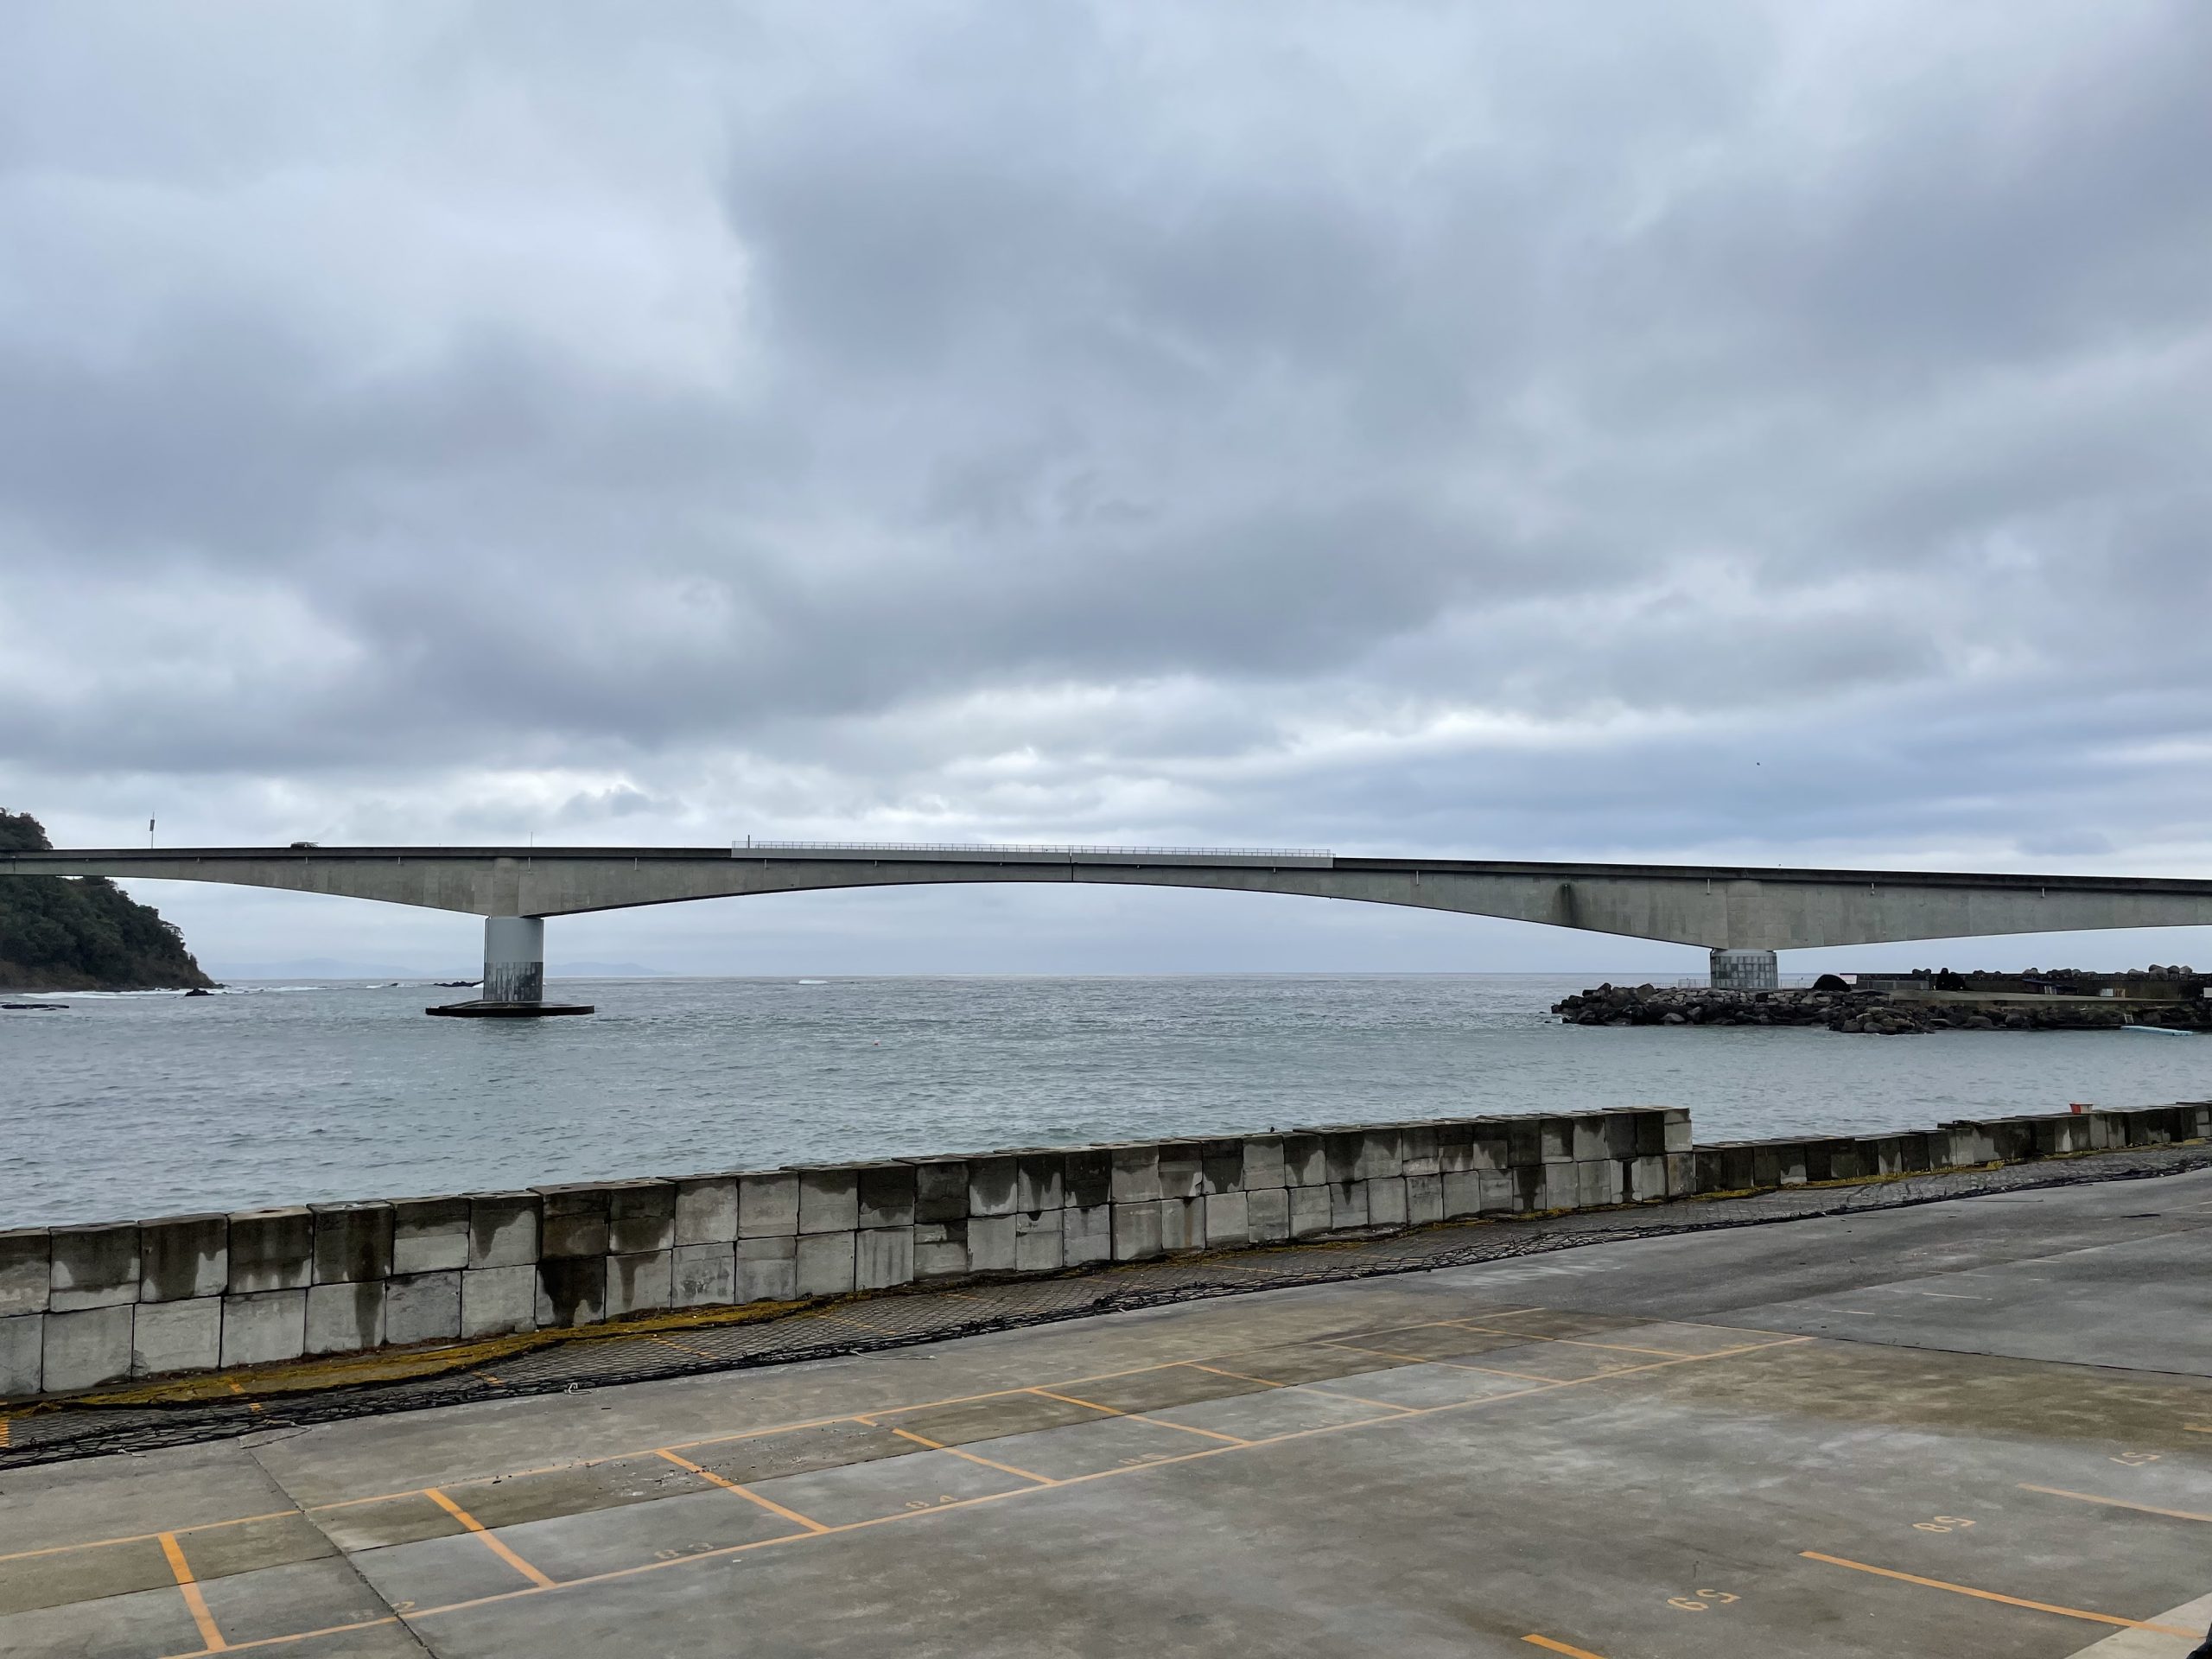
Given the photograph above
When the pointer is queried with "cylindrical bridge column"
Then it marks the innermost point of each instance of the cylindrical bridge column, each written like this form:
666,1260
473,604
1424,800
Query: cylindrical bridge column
1732,970
514,959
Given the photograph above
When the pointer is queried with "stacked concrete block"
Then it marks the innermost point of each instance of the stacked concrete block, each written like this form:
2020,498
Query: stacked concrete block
83,1307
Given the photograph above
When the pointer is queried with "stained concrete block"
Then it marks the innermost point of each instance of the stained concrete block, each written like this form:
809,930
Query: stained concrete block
767,1204
706,1211
1503,1192
1602,1136
429,1235
1677,1129
940,1248
1647,1179
1524,1142
1310,1208
571,1291
22,1354
1263,1164
1037,1240
1682,1174
94,1265
344,1317
641,1216
705,1276
1462,1195
641,1282
1419,1150
25,1271
1267,1214
1304,1161
272,1250
1597,1183
1347,1204
1086,1235
423,1307
1182,1171
1136,1177
940,1188
1222,1164
824,1264
1136,1227
571,1220
1386,1201
353,1245
884,1256
1228,1218
1036,1181
502,1233
183,1257
1555,1140
1343,1149
1424,1199
1086,1178
768,1267
264,1327
829,1200
991,1186
990,1245
86,1348
495,1301
886,1194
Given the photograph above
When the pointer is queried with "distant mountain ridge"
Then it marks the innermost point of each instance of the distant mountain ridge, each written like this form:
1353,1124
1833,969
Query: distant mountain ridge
61,933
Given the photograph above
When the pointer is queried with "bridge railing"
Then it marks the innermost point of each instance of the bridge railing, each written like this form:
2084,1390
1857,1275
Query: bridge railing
990,853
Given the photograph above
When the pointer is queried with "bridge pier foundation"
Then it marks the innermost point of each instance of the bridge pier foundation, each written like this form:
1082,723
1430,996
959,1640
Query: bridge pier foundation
514,974
1740,970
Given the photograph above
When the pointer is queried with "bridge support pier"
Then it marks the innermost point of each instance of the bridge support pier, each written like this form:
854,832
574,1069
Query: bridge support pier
1736,970
514,974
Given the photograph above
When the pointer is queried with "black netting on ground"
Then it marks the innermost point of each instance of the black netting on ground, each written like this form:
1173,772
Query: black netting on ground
866,1324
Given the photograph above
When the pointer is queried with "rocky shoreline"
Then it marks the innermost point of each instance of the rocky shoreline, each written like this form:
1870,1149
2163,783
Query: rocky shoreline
1873,1013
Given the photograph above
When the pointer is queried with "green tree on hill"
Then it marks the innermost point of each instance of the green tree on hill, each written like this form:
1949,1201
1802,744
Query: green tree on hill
82,933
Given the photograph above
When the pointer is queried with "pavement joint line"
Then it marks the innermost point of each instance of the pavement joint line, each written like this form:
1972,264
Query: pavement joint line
1457,1364
1560,1647
195,1600
745,1491
1320,1388
497,1545
1546,1386
1572,1342
1140,1417
1992,1595
1242,1377
987,1463
2119,1503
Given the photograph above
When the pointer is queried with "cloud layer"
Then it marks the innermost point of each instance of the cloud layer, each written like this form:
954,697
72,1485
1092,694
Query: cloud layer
1735,431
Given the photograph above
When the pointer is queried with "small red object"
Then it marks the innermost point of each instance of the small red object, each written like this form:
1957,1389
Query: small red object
2077,1106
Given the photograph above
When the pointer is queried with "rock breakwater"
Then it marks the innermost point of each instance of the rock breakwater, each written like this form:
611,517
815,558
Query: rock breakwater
1857,1012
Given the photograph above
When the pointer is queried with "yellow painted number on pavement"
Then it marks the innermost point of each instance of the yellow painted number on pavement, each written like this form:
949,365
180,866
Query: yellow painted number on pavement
1703,1599
1943,1523
2136,1459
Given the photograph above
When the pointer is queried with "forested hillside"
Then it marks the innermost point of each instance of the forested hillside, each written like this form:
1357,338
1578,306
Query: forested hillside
82,934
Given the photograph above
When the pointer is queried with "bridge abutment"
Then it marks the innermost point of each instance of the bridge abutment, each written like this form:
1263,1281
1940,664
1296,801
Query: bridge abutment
1745,970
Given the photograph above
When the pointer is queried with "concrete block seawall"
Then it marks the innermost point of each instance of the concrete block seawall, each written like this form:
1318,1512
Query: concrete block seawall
83,1307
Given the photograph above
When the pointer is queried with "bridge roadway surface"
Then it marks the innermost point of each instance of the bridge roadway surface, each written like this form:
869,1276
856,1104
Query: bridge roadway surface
1721,907
1981,1427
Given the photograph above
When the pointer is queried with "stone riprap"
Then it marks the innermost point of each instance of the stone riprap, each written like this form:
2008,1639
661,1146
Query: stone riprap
1873,1013
83,1307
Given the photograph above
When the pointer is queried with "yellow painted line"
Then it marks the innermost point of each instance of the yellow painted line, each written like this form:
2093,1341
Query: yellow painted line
1242,1377
194,1599
728,1485
231,1383
1992,1595
1560,1647
281,1641
987,1463
1572,1342
2118,1503
683,1348
1235,1444
492,1541
1139,1417
143,1537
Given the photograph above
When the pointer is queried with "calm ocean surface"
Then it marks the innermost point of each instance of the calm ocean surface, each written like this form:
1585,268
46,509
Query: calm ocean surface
285,1093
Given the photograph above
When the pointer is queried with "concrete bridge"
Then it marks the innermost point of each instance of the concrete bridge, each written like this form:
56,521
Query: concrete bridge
1743,915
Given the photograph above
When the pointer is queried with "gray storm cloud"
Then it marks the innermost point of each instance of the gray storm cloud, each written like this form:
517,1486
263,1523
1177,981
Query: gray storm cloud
1729,430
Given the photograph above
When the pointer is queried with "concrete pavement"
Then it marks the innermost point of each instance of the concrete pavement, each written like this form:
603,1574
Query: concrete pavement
1981,1427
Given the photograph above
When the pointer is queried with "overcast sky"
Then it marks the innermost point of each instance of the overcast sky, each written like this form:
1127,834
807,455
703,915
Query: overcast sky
1711,431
